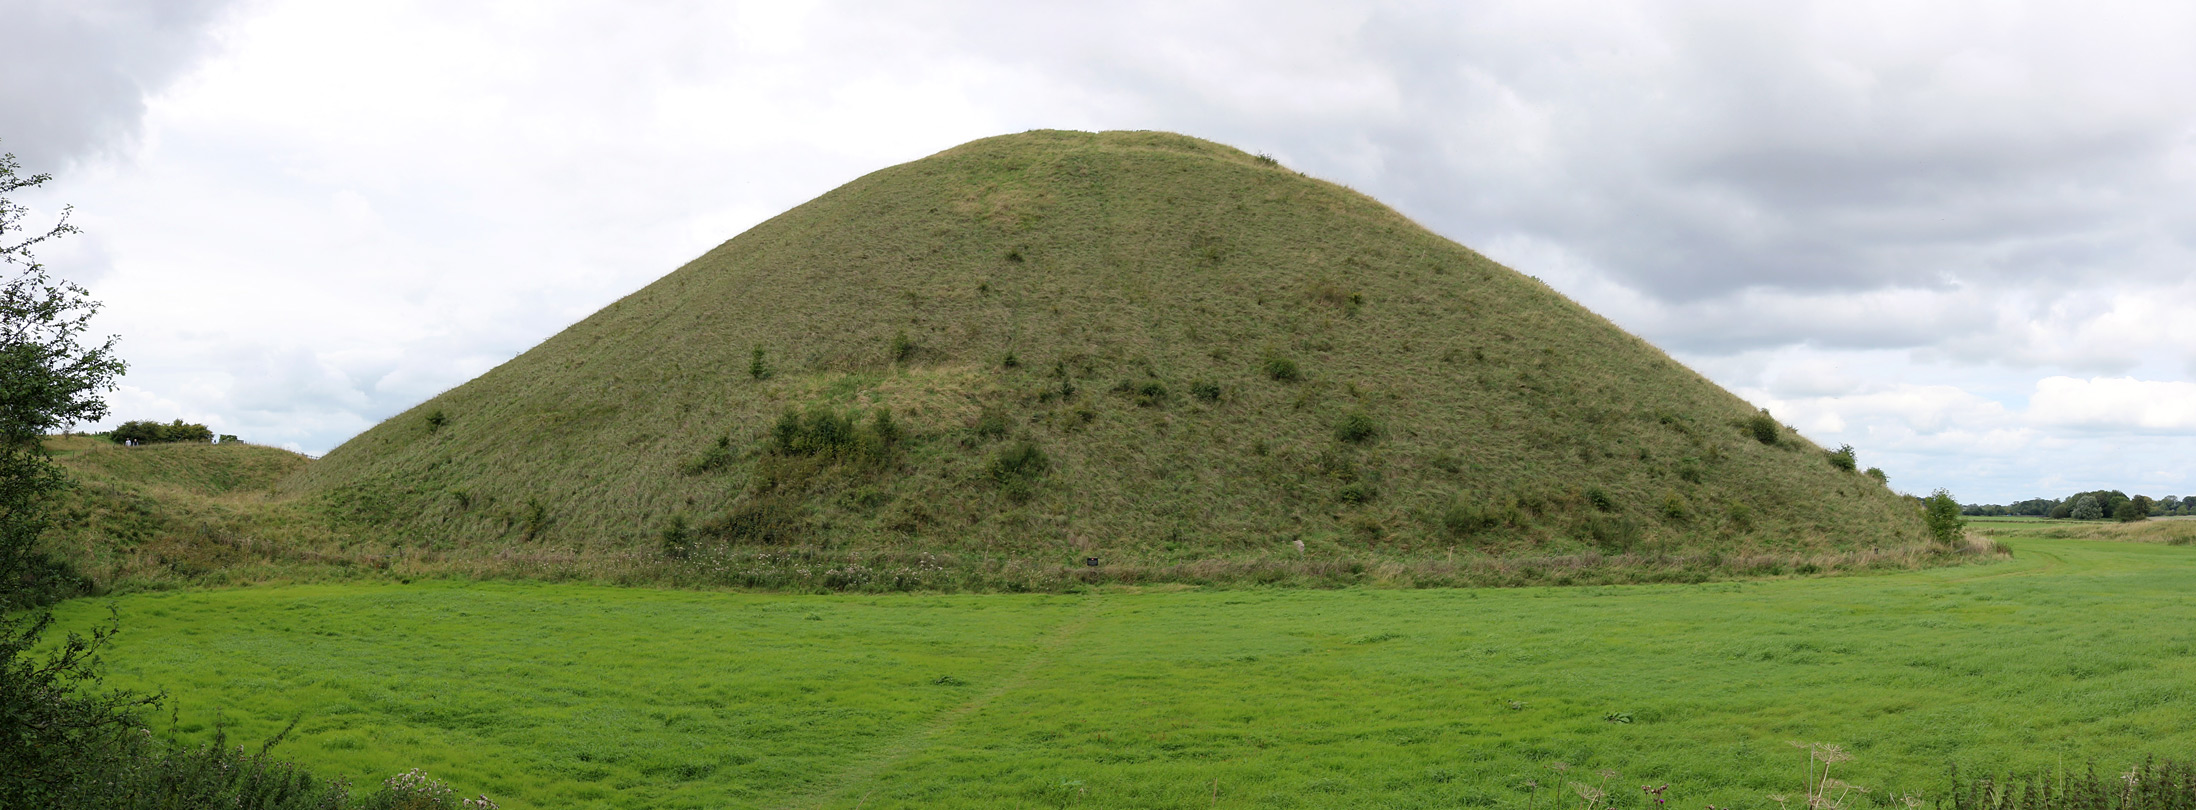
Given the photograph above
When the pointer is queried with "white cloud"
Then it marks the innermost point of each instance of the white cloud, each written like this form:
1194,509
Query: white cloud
2114,403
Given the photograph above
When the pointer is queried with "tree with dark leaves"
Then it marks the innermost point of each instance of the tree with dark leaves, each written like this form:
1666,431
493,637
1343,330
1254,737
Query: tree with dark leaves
49,380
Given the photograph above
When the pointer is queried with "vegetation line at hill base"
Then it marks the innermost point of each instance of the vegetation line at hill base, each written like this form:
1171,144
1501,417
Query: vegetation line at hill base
195,514
566,695
819,571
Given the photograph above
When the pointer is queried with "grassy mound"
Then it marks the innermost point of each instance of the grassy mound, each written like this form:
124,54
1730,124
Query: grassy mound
1137,347
179,512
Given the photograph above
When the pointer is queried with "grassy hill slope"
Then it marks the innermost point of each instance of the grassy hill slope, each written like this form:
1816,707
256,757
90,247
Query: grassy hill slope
1140,347
179,512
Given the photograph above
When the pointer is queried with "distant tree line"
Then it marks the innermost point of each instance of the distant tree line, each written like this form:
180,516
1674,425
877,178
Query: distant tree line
2095,505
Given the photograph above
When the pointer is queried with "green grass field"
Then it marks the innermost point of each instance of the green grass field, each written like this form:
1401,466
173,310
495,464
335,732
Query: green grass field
583,696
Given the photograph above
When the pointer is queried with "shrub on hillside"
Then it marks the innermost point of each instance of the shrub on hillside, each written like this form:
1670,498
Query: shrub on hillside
1205,390
756,369
1600,499
885,429
678,539
826,432
1672,506
1763,427
1358,492
1878,474
1942,515
1357,427
156,433
1151,394
1016,467
1842,458
1019,461
1281,369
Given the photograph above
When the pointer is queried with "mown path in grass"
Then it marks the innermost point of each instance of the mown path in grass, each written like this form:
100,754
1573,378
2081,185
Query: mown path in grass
580,696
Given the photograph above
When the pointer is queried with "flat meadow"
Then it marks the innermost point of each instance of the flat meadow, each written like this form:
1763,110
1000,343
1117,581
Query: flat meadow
562,695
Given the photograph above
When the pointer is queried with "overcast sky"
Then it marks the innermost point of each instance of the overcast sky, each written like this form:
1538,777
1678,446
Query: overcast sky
1958,236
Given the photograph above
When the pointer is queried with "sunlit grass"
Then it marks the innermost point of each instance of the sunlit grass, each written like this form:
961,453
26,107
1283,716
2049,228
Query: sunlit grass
580,696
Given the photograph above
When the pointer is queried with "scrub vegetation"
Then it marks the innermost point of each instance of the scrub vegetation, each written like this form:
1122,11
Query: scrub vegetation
169,515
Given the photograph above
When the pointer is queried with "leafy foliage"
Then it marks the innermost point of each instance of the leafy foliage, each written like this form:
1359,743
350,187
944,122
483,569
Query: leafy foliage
139,432
54,719
49,379
1942,515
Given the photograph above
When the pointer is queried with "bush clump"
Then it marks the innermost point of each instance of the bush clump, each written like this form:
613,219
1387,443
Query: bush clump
1942,515
1205,390
1600,499
176,431
1151,394
1017,467
1019,461
1673,506
838,436
1281,369
1357,427
1842,458
1763,427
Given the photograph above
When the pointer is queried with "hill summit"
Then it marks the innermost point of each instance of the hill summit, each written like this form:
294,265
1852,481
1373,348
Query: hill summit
1060,348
